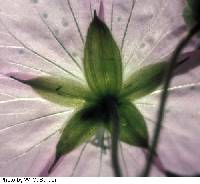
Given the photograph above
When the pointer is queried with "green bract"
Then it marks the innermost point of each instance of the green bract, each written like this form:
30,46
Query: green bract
103,72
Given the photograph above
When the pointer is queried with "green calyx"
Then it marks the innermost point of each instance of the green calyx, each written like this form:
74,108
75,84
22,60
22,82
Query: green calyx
103,72
93,116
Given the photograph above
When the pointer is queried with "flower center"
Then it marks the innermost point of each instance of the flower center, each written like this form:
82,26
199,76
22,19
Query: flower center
100,109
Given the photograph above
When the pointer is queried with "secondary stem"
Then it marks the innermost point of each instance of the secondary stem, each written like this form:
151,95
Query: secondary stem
172,66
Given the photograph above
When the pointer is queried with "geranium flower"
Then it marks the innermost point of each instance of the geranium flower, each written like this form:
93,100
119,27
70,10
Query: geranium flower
66,89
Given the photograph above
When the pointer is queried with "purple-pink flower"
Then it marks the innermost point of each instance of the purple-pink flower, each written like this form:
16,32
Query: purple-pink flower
41,38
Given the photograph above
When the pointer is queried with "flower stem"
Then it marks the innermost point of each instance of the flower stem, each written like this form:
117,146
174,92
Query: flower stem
115,137
172,66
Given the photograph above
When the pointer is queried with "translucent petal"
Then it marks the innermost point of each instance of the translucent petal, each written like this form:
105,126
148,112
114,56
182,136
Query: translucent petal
179,143
27,122
98,162
162,28
43,37
30,48
32,161
36,28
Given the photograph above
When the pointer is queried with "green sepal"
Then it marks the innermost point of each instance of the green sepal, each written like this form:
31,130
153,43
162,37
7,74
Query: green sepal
77,131
102,60
144,81
133,128
191,13
59,90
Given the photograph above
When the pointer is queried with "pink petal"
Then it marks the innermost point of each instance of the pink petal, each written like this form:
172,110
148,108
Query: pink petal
179,144
101,11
